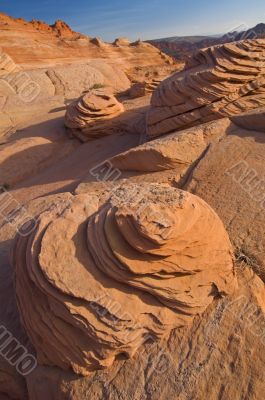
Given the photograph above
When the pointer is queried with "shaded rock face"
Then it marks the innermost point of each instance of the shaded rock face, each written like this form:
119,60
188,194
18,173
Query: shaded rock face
98,42
137,90
91,111
30,154
108,278
217,82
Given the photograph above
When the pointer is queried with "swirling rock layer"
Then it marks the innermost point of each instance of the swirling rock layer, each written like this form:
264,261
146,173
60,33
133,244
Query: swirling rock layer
91,111
217,82
104,280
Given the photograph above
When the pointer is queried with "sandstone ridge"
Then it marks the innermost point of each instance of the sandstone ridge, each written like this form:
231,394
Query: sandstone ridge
217,82
36,44
59,28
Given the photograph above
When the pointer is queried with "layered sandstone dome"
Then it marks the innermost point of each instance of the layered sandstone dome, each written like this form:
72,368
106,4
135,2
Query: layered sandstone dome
217,82
91,112
106,279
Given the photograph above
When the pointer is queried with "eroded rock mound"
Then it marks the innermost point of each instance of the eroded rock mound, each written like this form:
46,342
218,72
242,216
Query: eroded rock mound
91,112
217,82
106,279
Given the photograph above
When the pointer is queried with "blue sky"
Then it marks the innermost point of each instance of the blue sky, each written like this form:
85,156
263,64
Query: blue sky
145,19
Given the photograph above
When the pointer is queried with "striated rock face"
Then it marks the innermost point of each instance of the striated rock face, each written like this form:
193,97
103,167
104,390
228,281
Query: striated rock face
91,111
38,44
43,65
107,279
7,65
140,89
217,82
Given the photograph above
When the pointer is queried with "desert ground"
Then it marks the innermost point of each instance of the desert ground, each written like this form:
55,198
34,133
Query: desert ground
132,214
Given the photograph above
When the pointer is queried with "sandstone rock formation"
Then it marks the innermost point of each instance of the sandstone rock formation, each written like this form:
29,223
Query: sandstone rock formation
230,177
12,382
217,82
43,66
140,89
7,65
43,45
98,42
221,354
106,280
91,112
180,149
36,91
137,90
62,29
122,41
127,287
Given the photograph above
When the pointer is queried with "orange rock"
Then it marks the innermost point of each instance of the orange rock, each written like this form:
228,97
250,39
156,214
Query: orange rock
37,44
91,111
121,42
217,82
105,280
141,89
177,150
